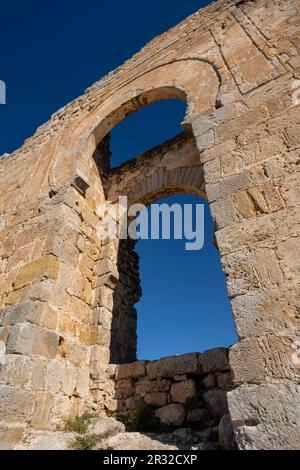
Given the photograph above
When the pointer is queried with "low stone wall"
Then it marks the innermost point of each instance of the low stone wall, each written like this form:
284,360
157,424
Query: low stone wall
186,391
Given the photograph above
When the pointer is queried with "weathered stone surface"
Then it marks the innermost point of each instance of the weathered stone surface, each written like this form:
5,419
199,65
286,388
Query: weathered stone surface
200,415
209,381
135,369
226,435
41,416
145,386
156,399
32,340
216,400
173,365
104,427
214,360
277,427
182,391
16,405
171,415
10,435
132,441
48,441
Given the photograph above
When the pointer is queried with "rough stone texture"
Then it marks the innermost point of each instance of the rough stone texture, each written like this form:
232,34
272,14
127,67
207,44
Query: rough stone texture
182,391
10,435
132,441
171,415
47,441
173,365
104,427
258,425
226,434
67,297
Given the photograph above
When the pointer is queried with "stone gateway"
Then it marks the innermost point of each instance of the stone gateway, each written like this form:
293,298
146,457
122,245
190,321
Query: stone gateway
67,315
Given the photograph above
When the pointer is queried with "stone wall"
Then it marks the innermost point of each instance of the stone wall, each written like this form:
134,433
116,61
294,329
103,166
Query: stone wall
184,392
236,64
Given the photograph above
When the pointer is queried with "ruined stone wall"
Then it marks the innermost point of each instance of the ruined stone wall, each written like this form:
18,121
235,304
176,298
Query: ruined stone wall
236,64
186,392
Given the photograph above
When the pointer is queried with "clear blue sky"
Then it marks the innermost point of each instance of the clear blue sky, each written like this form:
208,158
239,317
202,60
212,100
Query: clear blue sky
51,52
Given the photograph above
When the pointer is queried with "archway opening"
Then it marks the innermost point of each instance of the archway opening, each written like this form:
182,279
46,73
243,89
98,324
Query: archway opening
184,305
145,129
170,300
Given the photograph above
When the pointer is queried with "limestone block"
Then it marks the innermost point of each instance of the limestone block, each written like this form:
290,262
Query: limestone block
216,401
133,370
288,253
69,378
173,365
48,441
10,435
41,416
157,399
17,370
83,383
224,212
132,441
266,311
290,189
182,391
32,340
104,427
266,417
171,415
226,434
214,360
46,266
56,376
144,386
228,186
270,358
15,404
